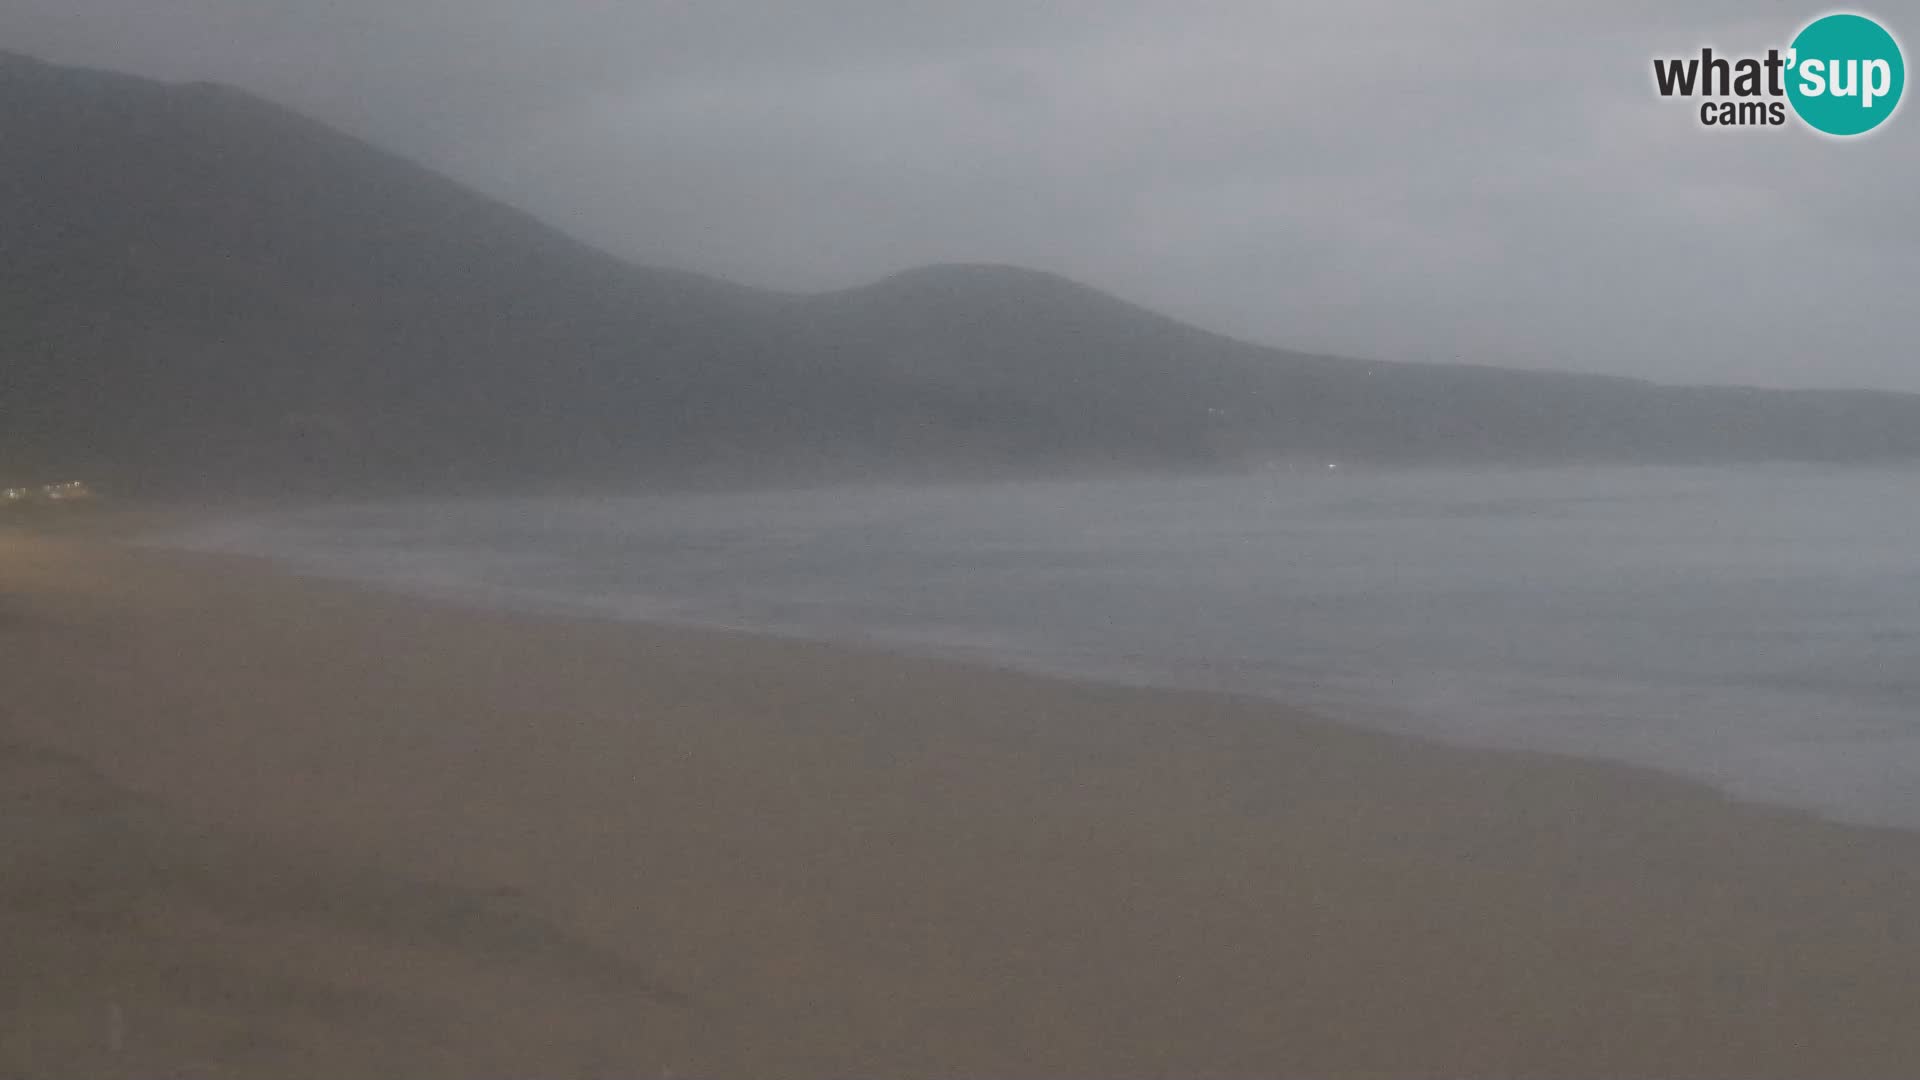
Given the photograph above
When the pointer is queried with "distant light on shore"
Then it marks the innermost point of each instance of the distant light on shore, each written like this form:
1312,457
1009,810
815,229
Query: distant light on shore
66,491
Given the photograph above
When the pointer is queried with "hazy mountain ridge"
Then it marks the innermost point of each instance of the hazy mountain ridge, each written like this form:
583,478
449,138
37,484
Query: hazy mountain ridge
200,287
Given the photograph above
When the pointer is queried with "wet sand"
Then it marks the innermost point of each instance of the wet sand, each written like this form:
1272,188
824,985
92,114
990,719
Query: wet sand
257,825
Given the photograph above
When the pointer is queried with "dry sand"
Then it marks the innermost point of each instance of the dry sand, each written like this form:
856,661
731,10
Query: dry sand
253,825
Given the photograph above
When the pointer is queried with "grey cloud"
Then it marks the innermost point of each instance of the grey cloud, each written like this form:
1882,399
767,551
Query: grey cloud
1491,180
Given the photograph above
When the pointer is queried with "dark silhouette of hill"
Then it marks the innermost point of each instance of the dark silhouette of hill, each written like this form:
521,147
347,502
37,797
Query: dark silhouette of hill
200,288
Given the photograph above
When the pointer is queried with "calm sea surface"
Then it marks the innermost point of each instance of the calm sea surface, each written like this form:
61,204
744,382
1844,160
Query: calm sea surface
1759,628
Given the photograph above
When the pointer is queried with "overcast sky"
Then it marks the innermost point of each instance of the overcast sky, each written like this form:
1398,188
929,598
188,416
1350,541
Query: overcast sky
1492,180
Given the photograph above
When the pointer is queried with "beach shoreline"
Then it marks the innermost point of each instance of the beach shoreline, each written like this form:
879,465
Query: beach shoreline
272,825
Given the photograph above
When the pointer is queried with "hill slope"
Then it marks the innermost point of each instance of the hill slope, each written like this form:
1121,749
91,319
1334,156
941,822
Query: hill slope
201,288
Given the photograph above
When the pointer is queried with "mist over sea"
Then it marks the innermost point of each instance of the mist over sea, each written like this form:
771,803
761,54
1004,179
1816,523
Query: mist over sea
1755,627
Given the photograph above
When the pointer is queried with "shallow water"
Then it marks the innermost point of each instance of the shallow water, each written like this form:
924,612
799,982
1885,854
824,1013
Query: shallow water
1759,628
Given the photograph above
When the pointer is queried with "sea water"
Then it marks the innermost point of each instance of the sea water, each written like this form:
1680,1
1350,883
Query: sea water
1758,628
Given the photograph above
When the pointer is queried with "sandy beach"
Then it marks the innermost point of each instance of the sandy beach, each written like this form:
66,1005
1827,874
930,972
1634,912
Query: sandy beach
264,826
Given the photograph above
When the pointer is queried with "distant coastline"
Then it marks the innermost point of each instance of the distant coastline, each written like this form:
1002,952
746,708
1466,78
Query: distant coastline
208,300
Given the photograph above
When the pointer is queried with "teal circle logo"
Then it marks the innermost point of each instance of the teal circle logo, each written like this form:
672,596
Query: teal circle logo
1845,74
